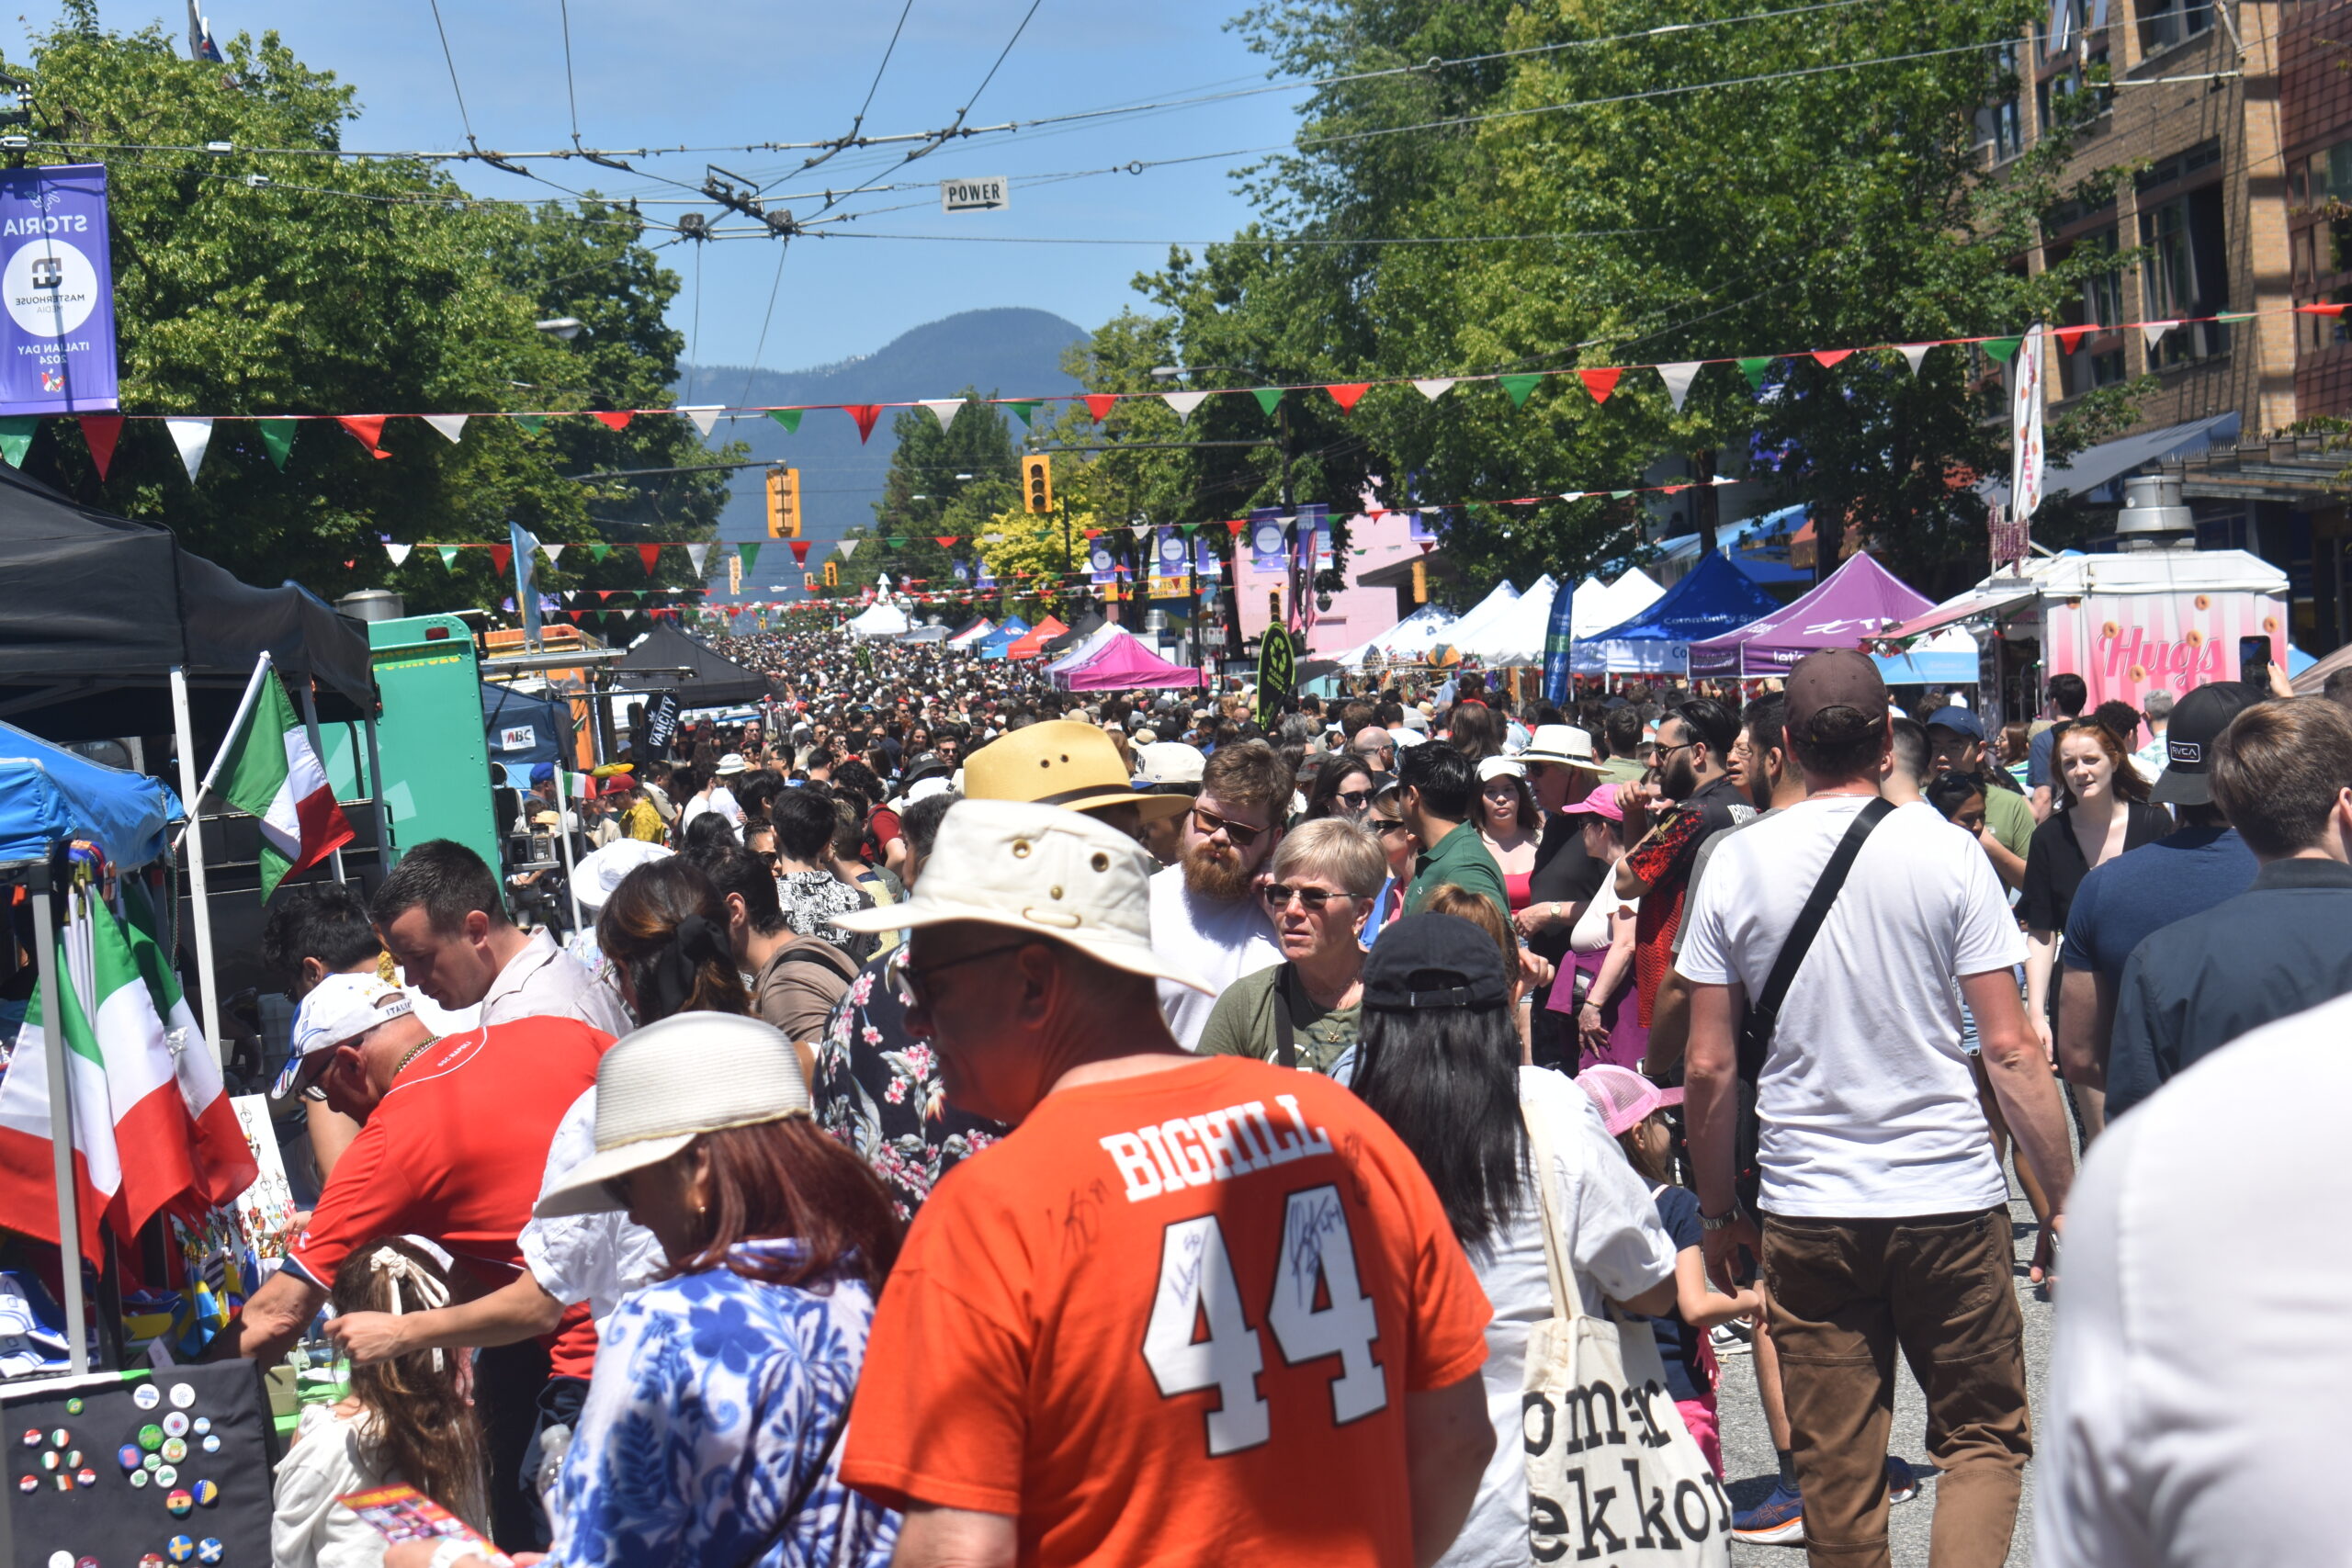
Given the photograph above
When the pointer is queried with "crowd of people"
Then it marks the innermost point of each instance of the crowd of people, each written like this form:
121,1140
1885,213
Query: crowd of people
981,1124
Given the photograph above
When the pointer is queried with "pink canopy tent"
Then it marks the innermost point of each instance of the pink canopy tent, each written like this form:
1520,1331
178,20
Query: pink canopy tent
1860,599
1125,664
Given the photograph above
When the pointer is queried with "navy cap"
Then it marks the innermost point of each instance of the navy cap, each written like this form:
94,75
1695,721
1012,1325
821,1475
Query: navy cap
1434,961
1959,720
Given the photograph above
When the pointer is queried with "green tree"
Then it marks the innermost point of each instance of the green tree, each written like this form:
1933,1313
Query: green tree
255,284
943,483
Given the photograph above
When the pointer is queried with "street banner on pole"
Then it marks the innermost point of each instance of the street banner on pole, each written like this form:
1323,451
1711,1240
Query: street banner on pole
1559,644
57,348
2025,429
1277,675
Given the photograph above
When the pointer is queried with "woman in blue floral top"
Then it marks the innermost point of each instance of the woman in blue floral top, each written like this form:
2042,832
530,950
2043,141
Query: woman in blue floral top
711,1434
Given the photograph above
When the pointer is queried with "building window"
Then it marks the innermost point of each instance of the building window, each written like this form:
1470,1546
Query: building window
2097,359
2163,23
2185,272
2000,125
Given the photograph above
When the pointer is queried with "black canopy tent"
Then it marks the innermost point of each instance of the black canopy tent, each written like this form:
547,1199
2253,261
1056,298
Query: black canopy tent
96,611
714,681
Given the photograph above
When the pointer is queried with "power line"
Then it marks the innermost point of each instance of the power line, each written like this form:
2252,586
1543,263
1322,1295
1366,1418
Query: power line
463,119
999,60
570,92
753,369
1231,241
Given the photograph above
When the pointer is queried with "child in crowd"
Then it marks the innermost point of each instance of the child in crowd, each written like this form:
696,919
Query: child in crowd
405,1420
1633,1109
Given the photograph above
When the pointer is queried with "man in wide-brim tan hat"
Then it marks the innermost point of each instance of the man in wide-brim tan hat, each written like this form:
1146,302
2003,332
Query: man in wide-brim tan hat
1068,764
1033,1372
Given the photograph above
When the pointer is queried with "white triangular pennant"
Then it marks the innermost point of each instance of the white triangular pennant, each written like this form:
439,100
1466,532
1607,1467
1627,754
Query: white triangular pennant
451,426
1913,353
1723,480
1435,388
1185,403
553,552
191,436
2153,331
845,546
1678,379
698,554
704,417
943,409
1572,495
399,553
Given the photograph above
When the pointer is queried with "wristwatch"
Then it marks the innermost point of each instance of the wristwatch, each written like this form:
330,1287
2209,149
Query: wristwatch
1723,1221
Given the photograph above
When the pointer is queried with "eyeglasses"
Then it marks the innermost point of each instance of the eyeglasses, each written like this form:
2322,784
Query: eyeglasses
1210,824
1354,800
1661,753
1384,826
1278,896
910,981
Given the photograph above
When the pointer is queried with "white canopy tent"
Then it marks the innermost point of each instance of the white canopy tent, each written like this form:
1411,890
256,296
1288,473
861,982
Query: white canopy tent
1517,638
1408,639
880,619
1480,619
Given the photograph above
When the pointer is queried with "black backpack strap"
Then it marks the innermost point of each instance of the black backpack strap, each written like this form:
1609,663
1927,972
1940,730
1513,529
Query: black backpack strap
1764,1010
1286,1044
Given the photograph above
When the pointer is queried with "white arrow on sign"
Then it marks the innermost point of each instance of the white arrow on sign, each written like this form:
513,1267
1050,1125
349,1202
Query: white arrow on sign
988,195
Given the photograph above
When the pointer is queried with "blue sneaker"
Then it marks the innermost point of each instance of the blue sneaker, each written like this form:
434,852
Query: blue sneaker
1779,1520
1900,1485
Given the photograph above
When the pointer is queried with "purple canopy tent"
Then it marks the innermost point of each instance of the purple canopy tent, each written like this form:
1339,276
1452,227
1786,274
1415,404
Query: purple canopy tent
1125,664
1859,600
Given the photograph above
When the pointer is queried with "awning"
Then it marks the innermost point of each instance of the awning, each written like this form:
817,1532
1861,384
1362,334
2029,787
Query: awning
2098,466
1951,612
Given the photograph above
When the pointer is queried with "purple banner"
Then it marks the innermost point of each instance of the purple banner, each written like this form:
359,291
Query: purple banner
57,349
1268,538
1100,560
1170,564
1207,564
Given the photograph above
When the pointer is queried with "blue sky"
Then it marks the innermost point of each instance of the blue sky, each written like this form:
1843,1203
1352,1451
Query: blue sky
734,72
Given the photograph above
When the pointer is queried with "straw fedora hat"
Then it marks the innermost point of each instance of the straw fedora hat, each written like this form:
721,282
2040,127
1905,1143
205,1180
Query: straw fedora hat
1060,763
1054,873
662,1087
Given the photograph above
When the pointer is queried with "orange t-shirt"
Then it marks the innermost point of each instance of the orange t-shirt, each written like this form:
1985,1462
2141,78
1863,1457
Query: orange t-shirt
1172,1319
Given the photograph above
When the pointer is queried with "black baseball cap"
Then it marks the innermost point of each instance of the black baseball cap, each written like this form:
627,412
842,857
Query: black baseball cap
2197,720
1434,961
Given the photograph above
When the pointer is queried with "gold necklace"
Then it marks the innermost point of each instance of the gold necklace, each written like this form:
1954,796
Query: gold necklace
413,1056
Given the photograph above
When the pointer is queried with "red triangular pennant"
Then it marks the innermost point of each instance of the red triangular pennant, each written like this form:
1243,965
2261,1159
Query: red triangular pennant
368,429
350,565
799,552
499,555
946,541
1099,404
603,594
651,555
610,420
101,430
1346,393
2072,337
1828,357
1599,383
865,414
1237,524
1091,533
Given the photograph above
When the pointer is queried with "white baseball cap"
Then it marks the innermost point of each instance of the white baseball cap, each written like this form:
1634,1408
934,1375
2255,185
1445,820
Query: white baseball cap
339,1008
1057,875
1159,762
665,1085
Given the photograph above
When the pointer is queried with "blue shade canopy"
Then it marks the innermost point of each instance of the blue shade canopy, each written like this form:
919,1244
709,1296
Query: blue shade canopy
47,793
1716,597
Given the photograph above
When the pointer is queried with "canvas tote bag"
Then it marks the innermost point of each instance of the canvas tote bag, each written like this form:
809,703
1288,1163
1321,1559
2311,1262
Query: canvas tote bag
1613,1476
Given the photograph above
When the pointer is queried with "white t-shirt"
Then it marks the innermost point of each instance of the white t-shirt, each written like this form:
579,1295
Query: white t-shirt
1615,1246
1219,942
2200,1375
596,1259
1868,1104
307,1528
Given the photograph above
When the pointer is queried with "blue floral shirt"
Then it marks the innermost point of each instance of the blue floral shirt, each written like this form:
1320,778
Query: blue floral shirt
716,1401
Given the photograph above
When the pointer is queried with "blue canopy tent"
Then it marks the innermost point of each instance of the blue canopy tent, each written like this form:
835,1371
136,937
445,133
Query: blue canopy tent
1012,629
1716,597
523,729
48,794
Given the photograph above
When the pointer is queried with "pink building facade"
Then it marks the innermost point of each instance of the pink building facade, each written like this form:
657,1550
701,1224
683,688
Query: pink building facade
1358,611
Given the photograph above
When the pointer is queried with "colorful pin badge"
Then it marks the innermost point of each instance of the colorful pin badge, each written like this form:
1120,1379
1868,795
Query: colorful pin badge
150,1437
180,1504
212,1442
51,1459
138,1478
209,1550
166,1476
32,1438
59,1438
151,1461
86,1476
201,1423
128,1456
29,1484
61,1560
175,1450
183,1395
180,1547
150,1560
146,1396
73,1407
176,1424
207,1494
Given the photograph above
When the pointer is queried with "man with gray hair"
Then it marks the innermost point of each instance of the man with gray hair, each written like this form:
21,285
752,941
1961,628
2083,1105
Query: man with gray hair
2156,714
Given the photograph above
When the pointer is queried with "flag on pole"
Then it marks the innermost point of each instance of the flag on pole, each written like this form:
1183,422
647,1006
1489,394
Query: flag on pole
273,773
222,1160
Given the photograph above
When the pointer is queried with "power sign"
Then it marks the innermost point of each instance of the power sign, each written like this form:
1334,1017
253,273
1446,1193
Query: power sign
57,347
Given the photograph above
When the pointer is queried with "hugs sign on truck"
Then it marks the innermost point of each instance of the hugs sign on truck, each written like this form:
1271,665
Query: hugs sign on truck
2127,645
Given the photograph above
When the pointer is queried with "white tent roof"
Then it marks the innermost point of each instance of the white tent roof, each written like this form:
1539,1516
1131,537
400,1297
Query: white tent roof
1086,648
1517,638
1628,597
1594,612
882,618
1408,638
1480,619
980,629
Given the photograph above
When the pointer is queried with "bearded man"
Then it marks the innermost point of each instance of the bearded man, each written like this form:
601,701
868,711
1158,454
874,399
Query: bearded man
1207,915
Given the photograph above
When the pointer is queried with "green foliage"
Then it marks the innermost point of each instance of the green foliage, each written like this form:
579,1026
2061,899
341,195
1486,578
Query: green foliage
339,286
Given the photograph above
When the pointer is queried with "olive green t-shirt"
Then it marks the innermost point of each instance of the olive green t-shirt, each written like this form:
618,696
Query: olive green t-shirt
1242,1022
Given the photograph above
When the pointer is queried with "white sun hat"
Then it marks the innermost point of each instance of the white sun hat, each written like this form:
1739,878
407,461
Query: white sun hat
597,875
1057,875
661,1088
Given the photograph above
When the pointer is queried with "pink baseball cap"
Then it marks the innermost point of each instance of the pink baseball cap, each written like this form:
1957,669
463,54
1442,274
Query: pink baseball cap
1624,1098
1601,802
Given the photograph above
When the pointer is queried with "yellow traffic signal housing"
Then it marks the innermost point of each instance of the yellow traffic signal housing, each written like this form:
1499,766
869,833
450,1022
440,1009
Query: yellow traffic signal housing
833,575
1038,483
784,503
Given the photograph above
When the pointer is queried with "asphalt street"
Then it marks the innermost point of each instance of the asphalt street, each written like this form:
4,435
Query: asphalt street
1747,1448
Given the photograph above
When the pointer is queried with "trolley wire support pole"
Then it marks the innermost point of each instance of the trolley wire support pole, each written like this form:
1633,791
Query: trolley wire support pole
199,894
42,887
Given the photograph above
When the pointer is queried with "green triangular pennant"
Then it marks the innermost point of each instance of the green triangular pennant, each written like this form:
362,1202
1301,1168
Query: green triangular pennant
789,418
278,439
748,554
1518,387
530,423
1267,397
2001,348
1025,410
1619,494
1756,369
16,436
448,554
598,552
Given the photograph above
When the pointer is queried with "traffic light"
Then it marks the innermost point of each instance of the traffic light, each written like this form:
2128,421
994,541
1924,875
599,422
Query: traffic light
784,503
833,575
808,582
1038,483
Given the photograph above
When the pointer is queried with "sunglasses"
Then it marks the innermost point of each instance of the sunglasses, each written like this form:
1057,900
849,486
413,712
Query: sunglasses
1386,825
910,982
1278,896
1355,800
1210,824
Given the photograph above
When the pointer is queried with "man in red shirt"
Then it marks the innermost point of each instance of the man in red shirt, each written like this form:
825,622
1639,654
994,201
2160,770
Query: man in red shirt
453,1147
1190,1311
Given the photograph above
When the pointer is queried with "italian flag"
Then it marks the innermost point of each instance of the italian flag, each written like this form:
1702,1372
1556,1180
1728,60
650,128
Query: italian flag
151,1124
273,773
